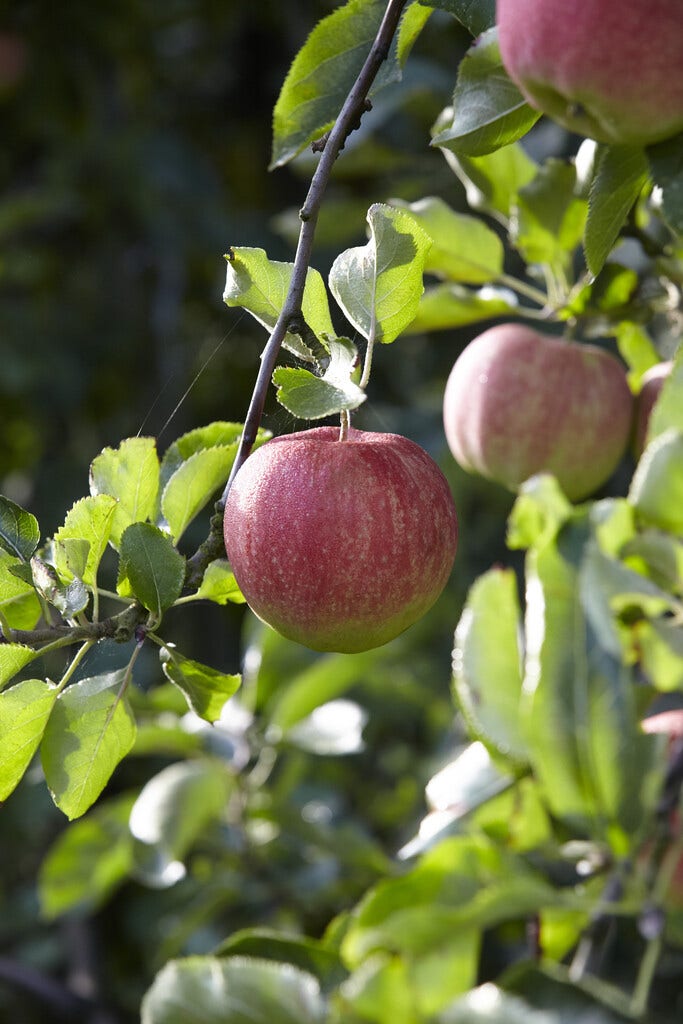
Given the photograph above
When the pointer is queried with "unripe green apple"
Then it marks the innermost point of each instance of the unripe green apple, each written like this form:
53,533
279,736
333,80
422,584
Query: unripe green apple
608,69
650,387
340,544
518,402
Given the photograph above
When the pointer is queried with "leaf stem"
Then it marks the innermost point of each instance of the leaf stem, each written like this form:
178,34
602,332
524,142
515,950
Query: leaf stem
74,663
528,290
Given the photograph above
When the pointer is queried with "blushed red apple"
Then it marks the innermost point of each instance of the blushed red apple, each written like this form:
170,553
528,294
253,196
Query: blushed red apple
340,544
650,387
519,402
608,69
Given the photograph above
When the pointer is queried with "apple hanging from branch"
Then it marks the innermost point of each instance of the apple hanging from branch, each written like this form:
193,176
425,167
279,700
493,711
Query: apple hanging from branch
608,69
518,402
340,544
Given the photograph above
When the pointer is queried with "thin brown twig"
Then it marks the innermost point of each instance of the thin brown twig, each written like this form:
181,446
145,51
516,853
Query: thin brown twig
351,112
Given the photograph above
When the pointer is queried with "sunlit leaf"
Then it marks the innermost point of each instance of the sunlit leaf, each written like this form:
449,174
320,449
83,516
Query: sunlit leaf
150,567
193,485
487,668
549,217
237,990
259,285
668,409
325,68
492,181
378,286
310,397
463,247
90,730
13,657
445,306
206,689
657,485
488,109
24,711
91,520
129,473
19,602
219,584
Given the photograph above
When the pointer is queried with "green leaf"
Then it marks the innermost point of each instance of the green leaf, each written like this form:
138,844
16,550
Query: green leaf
668,409
549,218
489,111
205,688
13,657
487,669
659,647
219,584
549,988
310,955
379,285
193,485
381,990
220,434
90,521
466,883
657,485
539,512
172,811
621,174
150,567
666,167
310,397
19,530
90,730
129,473
239,990
88,860
492,181
636,349
19,602
452,305
24,711
463,247
475,15
259,285
325,68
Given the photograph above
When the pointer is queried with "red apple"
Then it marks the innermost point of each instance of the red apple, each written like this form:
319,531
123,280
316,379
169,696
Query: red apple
518,402
608,69
650,386
340,544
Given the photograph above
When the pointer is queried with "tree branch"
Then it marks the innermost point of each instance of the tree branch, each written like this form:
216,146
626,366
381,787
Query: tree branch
355,105
119,627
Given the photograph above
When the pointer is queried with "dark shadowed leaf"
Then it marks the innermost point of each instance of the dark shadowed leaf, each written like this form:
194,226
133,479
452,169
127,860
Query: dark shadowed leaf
310,955
666,168
549,218
622,172
88,860
492,181
475,15
150,567
489,111
19,530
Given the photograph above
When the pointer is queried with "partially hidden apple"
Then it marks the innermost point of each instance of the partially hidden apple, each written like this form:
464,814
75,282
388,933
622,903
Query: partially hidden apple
650,387
608,69
518,402
340,544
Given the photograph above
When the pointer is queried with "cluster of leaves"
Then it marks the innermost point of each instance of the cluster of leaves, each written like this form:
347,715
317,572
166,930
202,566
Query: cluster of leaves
553,826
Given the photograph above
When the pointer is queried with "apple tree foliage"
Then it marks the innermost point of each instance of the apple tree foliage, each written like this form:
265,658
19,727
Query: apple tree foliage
552,832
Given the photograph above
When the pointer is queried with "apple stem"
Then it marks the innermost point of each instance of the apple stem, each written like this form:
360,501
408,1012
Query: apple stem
344,424
367,365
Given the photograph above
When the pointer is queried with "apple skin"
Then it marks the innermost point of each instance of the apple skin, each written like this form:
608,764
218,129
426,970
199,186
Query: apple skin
608,69
518,402
340,545
650,387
